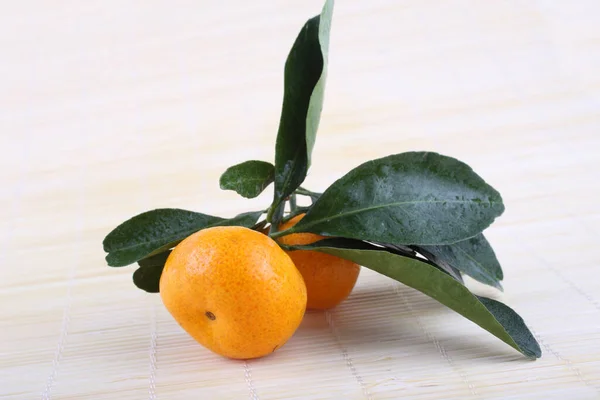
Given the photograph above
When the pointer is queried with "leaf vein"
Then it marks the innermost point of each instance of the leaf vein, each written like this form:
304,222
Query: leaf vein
396,204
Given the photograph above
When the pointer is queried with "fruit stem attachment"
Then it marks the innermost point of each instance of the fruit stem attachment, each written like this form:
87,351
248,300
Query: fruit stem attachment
275,235
274,217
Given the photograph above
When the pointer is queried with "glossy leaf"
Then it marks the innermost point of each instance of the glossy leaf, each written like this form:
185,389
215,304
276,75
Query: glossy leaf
407,251
249,178
455,273
314,196
398,248
474,257
416,198
304,84
156,260
155,231
148,278
260,225
497,318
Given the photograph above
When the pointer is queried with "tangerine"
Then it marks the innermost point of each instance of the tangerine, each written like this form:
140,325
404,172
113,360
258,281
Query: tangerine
234,290
329,279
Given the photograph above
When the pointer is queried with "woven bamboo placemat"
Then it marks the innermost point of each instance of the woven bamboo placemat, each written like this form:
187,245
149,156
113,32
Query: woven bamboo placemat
111,108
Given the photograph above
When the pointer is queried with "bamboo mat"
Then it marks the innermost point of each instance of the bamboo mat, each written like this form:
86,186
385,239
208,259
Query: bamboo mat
111,108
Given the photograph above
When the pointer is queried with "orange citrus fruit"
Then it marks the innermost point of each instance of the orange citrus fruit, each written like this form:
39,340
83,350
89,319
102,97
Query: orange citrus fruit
234,290
329,279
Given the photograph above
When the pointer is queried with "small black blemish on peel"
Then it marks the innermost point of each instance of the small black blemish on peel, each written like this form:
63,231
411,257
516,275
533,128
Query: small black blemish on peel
210,315
275,348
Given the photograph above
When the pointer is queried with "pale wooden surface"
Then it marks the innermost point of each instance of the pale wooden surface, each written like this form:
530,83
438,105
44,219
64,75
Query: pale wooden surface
111,108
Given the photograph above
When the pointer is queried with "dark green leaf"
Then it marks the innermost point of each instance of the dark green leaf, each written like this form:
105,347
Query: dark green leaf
259,226
416,198
514,326
275,217
409,252
398,248
314,196
441,265
495,317
474,257
304,85
249,178
156,260
455,273
155,231
148,278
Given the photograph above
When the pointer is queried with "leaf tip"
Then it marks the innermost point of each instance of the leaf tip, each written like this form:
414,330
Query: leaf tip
107,244
498,286
113,260
534,353
109,260
147,279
